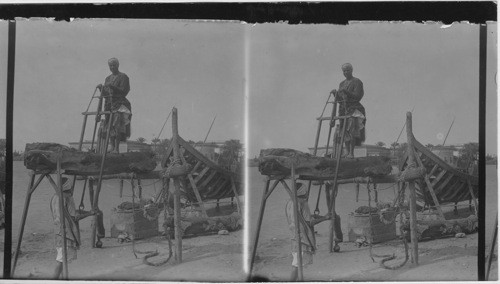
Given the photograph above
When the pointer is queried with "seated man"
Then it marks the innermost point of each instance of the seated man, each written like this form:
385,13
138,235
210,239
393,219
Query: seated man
349,96
115,89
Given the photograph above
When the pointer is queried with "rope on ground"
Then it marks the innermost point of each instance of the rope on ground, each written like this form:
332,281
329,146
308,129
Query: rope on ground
388,257
153,254
405,242
150,253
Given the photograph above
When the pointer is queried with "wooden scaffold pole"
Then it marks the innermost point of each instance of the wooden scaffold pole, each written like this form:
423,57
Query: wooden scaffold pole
413,196
177,190
62,218
297,226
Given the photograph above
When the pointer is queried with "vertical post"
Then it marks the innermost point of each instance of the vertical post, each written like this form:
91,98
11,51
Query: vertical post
177,190
62,218
93,223
95,202
11,62
297,225
334,187
333,220
23,221
483,32
411,185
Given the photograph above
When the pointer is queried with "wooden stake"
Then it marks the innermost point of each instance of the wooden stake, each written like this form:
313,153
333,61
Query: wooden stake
177,190
411,185
62,220
297,224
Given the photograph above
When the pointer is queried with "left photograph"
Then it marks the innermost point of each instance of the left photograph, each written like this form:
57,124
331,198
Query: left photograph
128,150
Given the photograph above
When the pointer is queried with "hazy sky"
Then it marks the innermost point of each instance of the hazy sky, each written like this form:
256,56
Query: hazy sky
403,65
196,67
199,67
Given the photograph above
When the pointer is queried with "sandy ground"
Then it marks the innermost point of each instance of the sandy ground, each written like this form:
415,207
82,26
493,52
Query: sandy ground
219,257
207,258
443,259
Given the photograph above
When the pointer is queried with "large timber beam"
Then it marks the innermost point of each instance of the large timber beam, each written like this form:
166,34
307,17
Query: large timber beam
43,157
278,161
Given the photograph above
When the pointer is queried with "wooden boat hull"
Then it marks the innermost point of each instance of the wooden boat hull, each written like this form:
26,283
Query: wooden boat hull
212,181
449,184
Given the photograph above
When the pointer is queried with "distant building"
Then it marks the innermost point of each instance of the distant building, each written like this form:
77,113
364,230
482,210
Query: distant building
209,150
449,154
129,146
364,150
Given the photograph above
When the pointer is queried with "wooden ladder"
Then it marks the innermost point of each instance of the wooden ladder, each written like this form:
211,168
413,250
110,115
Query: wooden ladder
330,191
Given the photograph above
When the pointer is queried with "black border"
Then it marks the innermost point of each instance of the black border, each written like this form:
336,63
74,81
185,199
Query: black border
260,12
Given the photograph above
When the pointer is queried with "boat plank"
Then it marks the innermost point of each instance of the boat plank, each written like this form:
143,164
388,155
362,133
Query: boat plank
202,173
439,177
440,190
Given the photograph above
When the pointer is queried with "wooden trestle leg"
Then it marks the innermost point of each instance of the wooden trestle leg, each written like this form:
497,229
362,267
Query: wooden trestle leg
265,194
31,188
95,202
62,219
297,228
177,190
333,221
412,195
492,249
334,187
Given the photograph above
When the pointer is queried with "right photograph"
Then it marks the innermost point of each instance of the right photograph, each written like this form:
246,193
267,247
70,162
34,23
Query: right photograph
363,147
